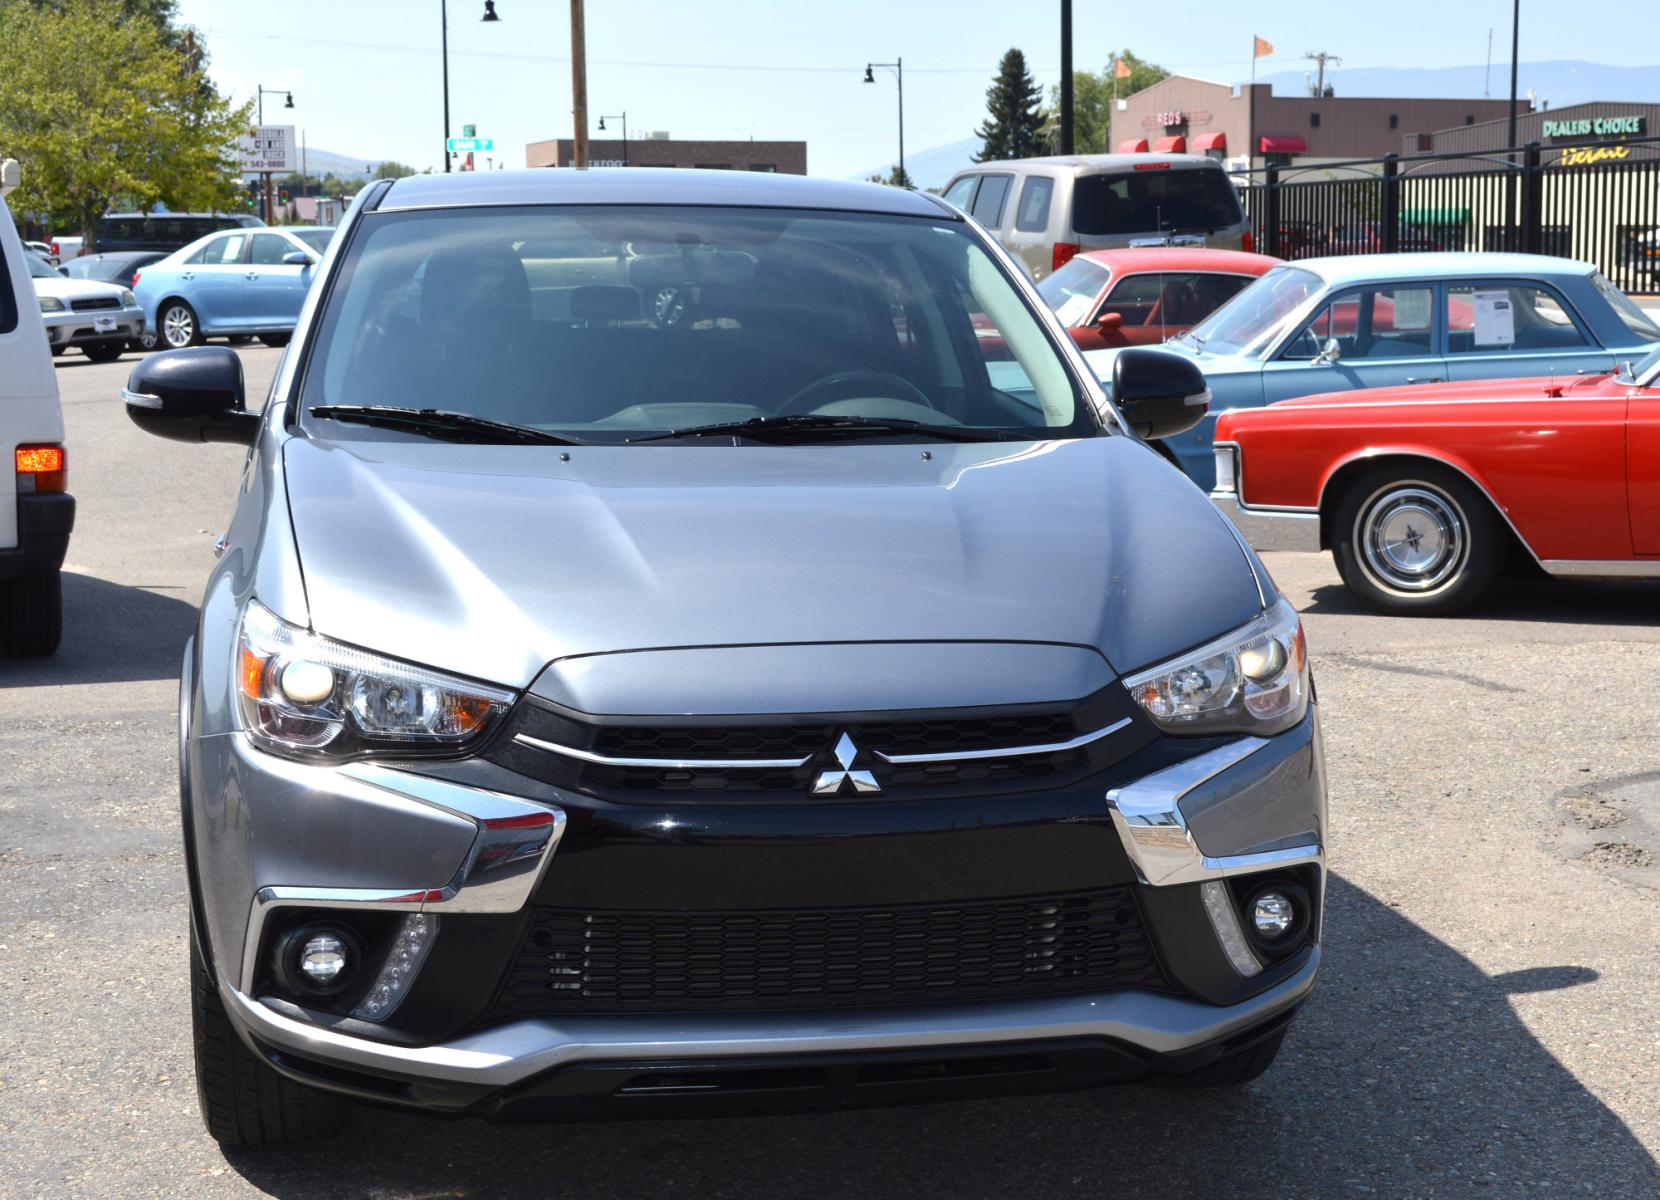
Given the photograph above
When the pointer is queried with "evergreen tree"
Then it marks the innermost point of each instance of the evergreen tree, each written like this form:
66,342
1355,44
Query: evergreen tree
1014,108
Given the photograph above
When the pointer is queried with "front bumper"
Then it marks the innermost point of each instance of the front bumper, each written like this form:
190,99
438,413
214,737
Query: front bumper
1168,822
1270,529
99,325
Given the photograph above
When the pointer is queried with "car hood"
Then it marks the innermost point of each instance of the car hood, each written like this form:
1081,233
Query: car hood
76,289
493,561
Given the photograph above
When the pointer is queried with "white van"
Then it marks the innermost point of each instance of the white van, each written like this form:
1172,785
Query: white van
36,510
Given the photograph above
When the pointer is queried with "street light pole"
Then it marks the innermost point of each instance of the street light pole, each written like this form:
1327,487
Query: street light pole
1513,233
623,117
1067,125
444,36
898,69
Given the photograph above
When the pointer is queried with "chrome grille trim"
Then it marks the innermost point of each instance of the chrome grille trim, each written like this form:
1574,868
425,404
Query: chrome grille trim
790,764
1083,739
666,764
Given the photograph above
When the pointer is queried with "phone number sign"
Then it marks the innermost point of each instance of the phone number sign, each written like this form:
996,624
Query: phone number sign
268,148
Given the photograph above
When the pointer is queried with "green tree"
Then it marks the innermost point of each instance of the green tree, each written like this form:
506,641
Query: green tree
897,176
1092,95
102,110
1014,113
393,170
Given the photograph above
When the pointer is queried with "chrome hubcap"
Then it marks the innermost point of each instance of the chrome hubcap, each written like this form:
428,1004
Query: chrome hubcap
177,327
1412,538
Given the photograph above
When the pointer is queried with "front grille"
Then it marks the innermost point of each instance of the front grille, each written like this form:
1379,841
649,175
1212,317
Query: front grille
795,740
93,304
576,961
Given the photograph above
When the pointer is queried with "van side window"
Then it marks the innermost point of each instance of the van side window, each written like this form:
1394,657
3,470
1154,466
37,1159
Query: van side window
8,300
1033,214
988,205
961,193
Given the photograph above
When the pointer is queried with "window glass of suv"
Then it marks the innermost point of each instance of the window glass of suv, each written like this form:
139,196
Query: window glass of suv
1032,215
570,319
1154,201
988,203
961,193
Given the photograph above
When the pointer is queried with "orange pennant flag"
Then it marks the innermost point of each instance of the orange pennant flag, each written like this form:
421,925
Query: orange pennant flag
1264,48
1121,69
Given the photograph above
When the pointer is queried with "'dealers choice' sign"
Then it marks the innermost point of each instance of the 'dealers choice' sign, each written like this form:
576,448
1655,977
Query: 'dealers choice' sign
1597,126
268,148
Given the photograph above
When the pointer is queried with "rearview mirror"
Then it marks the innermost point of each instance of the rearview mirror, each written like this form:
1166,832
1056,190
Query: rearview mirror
191,396
1111,320
296,258
1159,394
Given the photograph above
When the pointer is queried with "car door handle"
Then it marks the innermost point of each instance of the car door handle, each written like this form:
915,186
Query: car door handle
187,275
251,275
1426,379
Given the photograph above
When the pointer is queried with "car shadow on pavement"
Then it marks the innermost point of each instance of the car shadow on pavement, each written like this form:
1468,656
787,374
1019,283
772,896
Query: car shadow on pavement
1580,601
111,634
1408,1073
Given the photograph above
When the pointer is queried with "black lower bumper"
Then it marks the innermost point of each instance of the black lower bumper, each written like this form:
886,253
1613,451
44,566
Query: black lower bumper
44,522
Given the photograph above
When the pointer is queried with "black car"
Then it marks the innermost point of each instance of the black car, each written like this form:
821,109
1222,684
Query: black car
122,268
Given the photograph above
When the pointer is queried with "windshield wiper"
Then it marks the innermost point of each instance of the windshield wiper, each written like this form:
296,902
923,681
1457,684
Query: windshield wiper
807,425
1195,338
456,425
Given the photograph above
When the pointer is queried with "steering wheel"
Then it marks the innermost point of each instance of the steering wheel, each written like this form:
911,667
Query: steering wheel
801,401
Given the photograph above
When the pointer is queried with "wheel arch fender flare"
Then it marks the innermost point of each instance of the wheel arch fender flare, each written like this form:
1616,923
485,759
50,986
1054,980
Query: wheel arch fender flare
1350,464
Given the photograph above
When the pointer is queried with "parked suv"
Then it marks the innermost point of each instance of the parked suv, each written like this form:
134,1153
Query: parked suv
712,683
36,511
1045,210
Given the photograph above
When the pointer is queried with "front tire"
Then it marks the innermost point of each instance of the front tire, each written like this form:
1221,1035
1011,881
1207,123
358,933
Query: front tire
104,352
275,340
31,615
244,1102
1416,539
177,326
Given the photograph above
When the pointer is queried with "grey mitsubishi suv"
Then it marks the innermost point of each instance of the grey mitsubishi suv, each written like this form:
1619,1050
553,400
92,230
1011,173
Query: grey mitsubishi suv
698,640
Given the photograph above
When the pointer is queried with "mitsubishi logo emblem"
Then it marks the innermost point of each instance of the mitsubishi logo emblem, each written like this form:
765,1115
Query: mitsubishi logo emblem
832,782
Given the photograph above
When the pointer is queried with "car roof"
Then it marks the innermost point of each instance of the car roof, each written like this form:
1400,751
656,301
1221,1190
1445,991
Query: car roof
655,185
1348,268
1095,162
1139,259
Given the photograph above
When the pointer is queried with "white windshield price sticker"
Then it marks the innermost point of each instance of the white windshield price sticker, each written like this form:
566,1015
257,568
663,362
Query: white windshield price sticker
1412,309
1495,319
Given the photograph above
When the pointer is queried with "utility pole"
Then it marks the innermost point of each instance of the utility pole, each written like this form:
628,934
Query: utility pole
1515,53
1066,146
1322,58
444,53
579,87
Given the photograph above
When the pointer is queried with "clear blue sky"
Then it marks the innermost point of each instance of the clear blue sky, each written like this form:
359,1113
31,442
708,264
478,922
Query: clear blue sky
365,73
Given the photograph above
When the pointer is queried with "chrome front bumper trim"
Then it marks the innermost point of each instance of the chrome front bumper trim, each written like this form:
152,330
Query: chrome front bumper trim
1149,820
1271,529
511,1054
514,842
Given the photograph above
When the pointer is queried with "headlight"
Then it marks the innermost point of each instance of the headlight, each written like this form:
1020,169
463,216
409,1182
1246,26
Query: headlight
1253,680
305,696
50,304
128,300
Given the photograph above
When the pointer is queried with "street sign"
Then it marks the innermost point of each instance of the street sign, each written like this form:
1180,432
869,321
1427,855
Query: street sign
474,145
469,131
268,148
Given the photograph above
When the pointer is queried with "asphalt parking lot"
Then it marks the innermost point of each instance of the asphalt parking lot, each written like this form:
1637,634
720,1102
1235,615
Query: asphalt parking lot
1487,1023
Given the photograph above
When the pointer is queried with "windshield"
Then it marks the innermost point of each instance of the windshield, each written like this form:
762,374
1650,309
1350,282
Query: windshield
1154,198
1071,291
1244,323
603,323
39,268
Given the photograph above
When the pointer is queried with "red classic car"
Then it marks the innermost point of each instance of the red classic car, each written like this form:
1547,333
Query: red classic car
1423,494
1141,296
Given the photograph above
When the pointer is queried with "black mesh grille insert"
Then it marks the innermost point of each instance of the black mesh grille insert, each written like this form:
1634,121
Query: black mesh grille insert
794,741
95,303
575,961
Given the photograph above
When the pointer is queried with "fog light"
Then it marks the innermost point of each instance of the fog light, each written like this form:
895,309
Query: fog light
1273,915
323,960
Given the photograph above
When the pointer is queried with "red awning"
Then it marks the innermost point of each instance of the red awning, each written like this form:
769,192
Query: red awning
1133,146
1171,145
1283,144
1210,141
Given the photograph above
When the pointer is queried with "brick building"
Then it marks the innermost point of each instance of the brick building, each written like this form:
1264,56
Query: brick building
659,150
1247,125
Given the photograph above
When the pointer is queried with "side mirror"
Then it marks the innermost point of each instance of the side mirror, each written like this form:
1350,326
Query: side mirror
296,258
1329,353
1160,394
1109,320
191,396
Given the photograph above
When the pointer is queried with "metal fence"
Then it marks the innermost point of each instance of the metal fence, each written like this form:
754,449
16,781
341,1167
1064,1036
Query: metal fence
1597,201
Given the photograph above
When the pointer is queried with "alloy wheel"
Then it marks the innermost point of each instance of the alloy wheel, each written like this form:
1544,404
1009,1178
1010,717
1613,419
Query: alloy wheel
178,326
